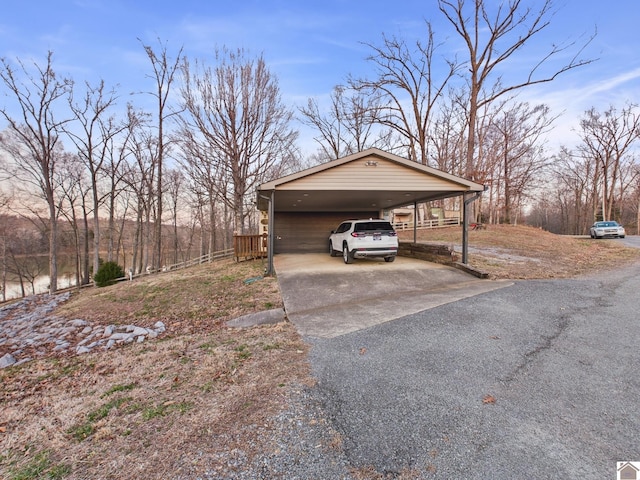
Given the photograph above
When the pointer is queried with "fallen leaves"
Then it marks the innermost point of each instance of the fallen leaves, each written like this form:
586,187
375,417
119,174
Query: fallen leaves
489,400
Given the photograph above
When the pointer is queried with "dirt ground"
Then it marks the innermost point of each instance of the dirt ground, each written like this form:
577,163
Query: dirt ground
519,252
174,406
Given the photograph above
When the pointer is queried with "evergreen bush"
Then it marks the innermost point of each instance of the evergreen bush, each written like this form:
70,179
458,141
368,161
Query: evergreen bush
108,273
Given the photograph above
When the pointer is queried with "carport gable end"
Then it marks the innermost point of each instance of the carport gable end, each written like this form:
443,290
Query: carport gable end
304,207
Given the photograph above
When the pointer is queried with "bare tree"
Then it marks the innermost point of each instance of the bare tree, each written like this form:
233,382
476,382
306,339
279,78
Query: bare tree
115,169
164,73
492,36
447,135
175,187
92,141
608,139
6,227
634,198
32,136
351,125
516,132
406,81
238,114
140,179
75,191
25,255
207,179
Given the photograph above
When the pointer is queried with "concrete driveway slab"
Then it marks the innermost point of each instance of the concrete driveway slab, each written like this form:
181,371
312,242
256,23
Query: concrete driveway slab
326,298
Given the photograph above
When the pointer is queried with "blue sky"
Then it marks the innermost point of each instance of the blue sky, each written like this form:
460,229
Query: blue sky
310,45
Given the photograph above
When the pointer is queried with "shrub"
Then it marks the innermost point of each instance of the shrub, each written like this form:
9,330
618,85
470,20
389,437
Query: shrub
108,273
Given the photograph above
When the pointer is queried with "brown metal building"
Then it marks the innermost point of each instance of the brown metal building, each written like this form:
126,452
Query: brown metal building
304,207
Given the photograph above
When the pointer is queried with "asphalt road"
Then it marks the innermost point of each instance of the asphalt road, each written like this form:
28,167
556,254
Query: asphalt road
539,379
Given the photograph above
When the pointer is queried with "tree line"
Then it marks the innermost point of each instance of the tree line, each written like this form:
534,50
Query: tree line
143,187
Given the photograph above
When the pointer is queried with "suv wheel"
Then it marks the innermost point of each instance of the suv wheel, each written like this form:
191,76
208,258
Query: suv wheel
346,256
332,252
390,259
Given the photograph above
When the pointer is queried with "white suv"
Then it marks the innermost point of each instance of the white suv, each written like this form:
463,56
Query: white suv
364,238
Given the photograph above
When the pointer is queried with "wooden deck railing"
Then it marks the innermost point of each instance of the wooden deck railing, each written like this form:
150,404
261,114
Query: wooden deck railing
250,246
438,222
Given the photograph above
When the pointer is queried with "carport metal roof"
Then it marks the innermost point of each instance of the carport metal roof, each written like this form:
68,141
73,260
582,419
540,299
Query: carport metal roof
362,181
371,179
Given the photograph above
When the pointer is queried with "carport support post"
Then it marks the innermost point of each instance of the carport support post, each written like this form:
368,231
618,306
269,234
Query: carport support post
465,224
269,270
415,222
270,235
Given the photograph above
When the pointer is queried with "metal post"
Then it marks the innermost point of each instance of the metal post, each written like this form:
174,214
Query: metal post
270,269
465,225
415,222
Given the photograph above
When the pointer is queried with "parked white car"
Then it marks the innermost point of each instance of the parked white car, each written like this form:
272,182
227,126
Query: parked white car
364,238
607,229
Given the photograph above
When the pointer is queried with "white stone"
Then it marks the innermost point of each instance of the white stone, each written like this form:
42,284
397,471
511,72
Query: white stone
7,360
77,322
137,331
120,336
82,349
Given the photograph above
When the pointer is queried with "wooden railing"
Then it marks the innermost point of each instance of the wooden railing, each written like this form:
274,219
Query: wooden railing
438,222
250,246
208,258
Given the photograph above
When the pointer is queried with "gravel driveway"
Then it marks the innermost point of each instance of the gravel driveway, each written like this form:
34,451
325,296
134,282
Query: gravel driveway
535,380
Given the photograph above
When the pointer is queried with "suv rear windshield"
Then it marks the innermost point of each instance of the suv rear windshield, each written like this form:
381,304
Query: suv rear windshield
373,227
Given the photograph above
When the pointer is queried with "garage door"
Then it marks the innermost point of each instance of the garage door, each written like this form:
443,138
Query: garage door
307,232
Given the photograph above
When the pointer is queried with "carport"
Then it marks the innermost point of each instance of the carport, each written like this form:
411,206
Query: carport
302,208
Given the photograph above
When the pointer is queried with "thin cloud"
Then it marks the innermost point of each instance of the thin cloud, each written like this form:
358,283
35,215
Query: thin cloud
609,84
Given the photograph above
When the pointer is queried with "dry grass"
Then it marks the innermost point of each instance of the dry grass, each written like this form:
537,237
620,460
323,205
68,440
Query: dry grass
519,252
172,407
160,409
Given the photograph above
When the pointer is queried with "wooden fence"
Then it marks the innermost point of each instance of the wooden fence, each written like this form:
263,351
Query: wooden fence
438,222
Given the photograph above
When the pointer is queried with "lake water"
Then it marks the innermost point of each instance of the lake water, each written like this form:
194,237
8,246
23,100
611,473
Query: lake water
41,286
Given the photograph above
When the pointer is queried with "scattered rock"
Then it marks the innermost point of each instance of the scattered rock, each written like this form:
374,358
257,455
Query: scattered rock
77,323
29,324
7,360
137,331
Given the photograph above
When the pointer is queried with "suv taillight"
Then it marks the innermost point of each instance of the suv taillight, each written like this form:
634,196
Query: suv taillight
358,234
